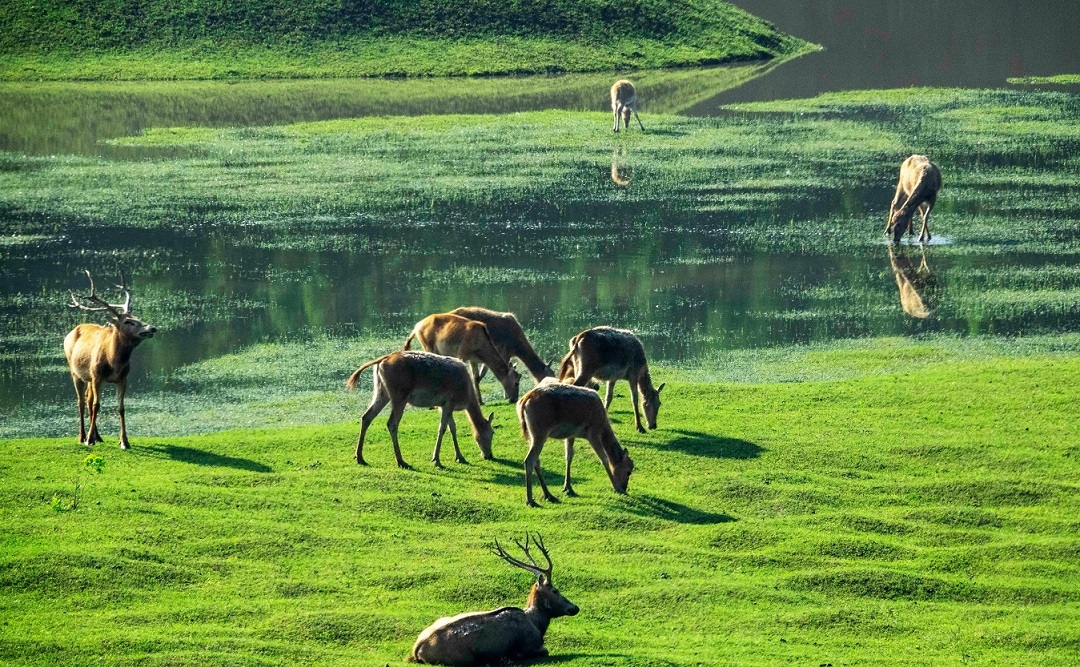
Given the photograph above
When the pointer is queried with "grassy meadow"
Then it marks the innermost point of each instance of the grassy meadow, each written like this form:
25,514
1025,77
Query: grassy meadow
155,39
862,498
926,514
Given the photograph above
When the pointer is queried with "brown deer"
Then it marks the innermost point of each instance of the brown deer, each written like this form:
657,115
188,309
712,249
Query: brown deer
427,381
623,102
611,354
917,285
919,182
510,341
468,340
556,410
508,634
98,354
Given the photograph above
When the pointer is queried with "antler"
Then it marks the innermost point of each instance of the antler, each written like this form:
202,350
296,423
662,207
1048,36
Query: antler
127,292
544,574
94,298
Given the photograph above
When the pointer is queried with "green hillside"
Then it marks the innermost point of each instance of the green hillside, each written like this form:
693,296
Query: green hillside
190,39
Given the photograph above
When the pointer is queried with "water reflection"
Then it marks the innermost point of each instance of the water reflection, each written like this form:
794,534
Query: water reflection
919,294
621,173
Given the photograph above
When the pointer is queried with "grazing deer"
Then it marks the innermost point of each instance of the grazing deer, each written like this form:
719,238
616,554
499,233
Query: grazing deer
98,354
611,354
556,410
427,381
510,341
468,340
919,181
918,287
623,102
501,635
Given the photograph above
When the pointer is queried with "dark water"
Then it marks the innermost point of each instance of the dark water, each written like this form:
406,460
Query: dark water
943,43
687,282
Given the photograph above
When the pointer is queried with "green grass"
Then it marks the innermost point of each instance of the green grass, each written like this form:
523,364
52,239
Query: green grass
1058,79
155,39
927,513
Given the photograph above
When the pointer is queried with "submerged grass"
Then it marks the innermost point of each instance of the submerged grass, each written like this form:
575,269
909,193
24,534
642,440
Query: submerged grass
849,521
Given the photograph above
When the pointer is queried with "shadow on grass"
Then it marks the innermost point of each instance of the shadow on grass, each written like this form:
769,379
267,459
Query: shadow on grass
657,508
704,444
202,458
571,657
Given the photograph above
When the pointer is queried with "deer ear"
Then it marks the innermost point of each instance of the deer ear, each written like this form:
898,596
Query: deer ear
661,387
490,417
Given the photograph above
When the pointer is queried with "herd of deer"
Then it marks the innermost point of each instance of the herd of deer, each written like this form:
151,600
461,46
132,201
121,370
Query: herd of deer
561,406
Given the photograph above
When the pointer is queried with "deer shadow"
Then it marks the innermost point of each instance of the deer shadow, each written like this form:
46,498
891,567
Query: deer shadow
712,446
649,506
203,458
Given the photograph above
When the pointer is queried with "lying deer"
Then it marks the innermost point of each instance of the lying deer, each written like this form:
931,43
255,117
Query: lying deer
611,354
98,354
510,341
623,102
428,381
919,182
502,635
468,340
555,410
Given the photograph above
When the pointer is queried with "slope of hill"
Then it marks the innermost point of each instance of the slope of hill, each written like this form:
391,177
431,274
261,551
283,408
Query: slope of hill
193,39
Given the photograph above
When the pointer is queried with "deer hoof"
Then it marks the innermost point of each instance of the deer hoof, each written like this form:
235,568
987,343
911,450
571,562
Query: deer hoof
437,463
125,445
360,461
570,493
641,430
531,503
461,460
403,465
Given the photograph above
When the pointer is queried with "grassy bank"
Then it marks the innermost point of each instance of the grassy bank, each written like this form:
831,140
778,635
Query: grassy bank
927,513
1057,80
127,40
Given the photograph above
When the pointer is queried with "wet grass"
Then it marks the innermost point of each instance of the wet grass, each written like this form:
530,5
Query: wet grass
1058,79
930,511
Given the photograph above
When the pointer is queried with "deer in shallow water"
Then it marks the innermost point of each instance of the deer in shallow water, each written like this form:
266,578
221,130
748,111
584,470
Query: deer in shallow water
468,340
920,180
510,341
99,354
428,381
611,355
623,102
917,285
501,635
563,411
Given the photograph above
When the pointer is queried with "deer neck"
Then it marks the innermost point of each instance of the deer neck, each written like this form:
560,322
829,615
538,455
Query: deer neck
537,613
476,415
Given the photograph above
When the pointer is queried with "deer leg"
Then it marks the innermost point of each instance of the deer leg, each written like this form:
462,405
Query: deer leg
80,397
396,410
567,489
610,393
532,464
637,410
477,376
924,211
121,389
378,402
94,399
438,440
458,456
616,110
892,208
634,109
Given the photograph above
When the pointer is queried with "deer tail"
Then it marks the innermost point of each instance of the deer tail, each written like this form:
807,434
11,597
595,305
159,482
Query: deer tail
355,377
521,418
568,360
409,340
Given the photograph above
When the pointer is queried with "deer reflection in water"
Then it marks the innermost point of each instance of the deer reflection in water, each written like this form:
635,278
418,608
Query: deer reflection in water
917,284
621,173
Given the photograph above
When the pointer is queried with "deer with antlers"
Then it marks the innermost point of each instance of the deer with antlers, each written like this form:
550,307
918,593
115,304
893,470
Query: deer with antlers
468,340
425,380
611,355
505,634
563,411
97,354
623,102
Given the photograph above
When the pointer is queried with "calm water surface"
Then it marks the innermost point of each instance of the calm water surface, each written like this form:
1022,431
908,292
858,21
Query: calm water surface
686,282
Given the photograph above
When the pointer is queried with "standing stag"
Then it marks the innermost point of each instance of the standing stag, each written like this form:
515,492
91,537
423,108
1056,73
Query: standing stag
510,341
98,354
505,634
468,340
920,180
623,102
427,381
555,410
611,354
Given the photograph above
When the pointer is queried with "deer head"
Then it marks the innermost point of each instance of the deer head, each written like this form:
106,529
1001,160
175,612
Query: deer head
652,403
123,320
543,596
485,433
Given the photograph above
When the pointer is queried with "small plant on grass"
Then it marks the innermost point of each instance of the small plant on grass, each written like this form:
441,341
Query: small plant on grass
95,463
